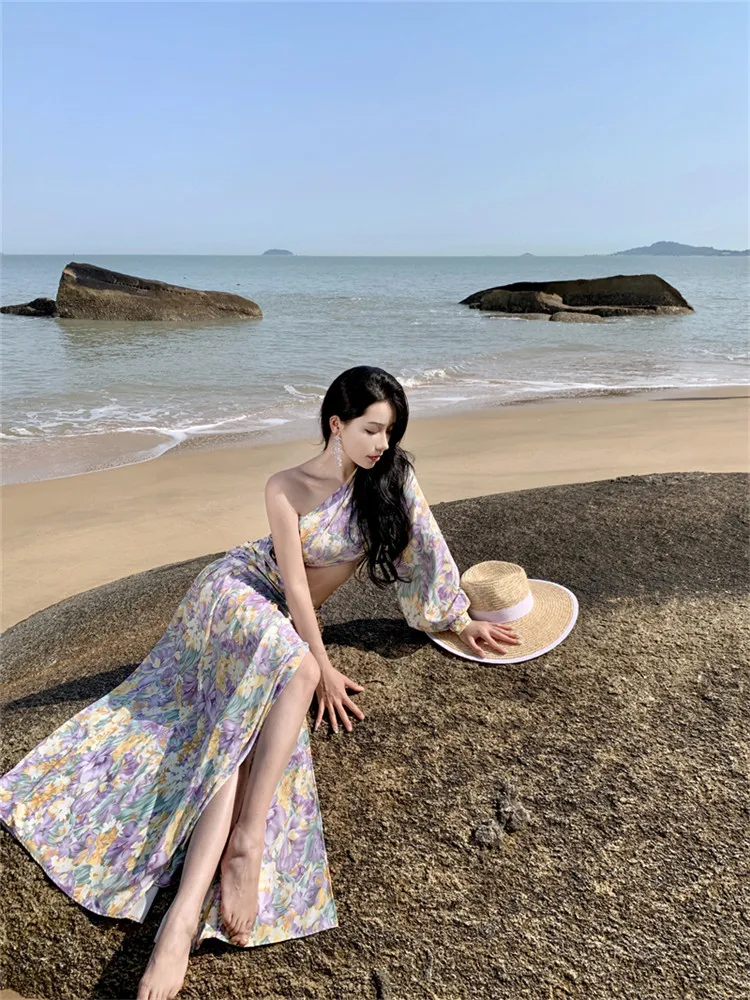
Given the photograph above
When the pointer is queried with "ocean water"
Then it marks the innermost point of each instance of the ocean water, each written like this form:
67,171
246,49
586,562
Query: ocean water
78,395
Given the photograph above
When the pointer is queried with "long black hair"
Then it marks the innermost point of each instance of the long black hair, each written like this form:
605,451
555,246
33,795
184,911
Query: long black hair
378,504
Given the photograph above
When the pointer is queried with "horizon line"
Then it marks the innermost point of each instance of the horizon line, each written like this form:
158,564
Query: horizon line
131,253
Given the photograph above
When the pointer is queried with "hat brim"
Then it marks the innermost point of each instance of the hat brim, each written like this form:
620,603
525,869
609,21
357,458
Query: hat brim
550,620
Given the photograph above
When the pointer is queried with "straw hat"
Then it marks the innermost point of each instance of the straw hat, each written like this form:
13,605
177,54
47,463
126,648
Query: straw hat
541,612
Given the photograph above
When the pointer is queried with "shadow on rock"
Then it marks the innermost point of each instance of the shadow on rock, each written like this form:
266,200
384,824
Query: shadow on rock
572,825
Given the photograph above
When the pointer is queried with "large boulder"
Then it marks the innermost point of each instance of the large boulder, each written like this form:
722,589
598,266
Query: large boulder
89,292
618,295
574,825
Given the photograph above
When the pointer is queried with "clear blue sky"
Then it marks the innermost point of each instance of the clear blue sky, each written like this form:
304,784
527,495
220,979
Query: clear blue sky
373,128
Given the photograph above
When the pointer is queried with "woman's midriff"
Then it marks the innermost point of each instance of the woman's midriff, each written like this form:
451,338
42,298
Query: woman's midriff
324,580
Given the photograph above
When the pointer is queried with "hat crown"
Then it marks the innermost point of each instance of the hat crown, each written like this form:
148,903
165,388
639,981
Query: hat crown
495,585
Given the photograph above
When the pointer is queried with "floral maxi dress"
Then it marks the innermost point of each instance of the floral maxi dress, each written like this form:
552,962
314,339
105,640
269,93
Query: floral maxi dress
107,802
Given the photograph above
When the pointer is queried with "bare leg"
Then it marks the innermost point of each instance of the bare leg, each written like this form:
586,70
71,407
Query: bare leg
165,972
166,969
169,959
240,866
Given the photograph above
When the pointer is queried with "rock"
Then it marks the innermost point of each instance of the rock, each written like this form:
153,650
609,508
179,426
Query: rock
517,818
635,781
646,292
37,307
382,983
89,292
487,834
510,813
500,300
631,310
576,317
500,315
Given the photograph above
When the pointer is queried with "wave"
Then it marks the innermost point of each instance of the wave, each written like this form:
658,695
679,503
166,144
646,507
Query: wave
311,393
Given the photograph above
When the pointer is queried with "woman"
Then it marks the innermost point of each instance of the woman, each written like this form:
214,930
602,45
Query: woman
201,757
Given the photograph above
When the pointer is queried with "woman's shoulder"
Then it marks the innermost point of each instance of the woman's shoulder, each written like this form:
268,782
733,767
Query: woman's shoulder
303,488
290,484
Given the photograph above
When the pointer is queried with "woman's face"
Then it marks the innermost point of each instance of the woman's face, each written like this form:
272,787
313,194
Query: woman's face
365,438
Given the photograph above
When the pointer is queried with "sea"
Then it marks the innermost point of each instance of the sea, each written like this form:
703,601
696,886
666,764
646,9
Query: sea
77,396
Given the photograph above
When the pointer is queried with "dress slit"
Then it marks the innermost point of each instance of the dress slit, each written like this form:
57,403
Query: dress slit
107,802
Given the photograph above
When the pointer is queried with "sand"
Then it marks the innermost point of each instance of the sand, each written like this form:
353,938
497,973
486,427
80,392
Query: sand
61,537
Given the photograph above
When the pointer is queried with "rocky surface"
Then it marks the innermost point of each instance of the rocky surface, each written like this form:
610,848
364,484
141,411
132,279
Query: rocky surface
37,307
572,826
89,292
575,317
618,295
96,293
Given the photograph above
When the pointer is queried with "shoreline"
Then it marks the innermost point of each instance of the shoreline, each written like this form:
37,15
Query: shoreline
150,444
64,536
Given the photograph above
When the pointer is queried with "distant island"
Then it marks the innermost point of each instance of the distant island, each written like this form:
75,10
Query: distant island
667,249
277,253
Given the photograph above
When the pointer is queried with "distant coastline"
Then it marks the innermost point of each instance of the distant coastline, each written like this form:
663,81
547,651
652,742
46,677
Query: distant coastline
660,249
666,248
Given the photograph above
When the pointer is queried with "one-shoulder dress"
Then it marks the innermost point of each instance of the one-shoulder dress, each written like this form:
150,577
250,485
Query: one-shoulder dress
107,802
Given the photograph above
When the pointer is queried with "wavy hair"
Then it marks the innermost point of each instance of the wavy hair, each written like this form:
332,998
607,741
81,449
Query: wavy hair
378,503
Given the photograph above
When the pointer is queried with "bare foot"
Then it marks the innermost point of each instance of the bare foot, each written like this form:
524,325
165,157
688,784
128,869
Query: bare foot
165,972
240,874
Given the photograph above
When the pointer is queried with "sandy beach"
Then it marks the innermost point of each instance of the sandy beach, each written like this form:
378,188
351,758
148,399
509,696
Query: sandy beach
61,537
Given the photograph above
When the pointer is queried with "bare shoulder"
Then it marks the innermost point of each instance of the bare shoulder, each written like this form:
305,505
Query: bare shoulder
281,484
296,485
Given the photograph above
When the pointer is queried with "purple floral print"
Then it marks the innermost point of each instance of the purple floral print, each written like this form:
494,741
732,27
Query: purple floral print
107,802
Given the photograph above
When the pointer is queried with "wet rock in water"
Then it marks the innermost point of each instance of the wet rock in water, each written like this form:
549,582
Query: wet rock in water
500,315
617,295
37,307
576,317
96,293
502,300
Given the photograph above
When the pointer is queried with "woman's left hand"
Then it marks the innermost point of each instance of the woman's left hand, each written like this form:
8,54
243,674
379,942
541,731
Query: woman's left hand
494,637
332,695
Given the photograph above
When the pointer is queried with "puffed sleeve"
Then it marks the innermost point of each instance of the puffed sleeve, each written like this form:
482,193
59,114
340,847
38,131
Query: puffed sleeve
431,599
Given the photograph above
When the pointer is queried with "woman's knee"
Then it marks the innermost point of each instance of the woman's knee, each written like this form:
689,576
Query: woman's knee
309,669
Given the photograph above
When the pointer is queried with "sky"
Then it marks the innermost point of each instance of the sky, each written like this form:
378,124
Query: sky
373,128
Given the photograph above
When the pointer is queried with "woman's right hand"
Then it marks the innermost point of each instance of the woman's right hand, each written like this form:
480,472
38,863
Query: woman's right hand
332,695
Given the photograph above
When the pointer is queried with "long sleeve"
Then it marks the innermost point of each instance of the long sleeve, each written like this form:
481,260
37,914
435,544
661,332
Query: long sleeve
432,599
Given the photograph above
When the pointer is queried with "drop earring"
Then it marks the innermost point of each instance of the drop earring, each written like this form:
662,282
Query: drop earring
337,450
